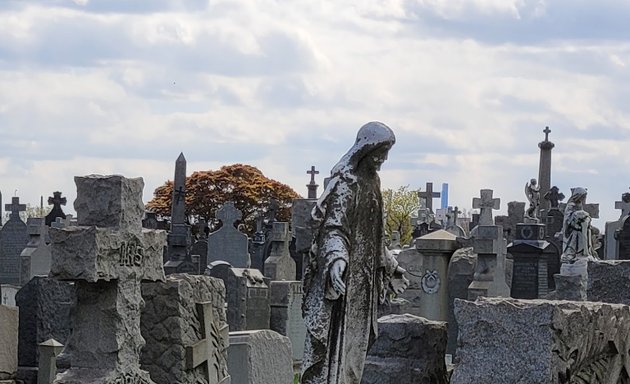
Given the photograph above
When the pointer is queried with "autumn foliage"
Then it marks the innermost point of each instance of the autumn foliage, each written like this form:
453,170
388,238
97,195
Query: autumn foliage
242,184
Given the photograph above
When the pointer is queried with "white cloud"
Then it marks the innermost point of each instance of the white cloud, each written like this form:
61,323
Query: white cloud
101,88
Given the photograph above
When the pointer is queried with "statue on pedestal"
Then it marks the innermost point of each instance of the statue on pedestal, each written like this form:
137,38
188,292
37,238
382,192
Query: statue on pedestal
576,229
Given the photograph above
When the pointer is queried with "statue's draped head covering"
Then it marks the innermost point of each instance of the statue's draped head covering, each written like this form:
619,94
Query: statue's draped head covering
371,137
577,194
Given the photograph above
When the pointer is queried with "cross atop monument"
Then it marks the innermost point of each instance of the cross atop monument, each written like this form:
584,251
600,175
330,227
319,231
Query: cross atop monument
312,172
312,186
15,207
486,204
547,131
229,214
428,196
56,200
624,205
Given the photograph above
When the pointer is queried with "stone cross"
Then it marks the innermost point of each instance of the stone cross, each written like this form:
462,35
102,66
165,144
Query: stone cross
547,131
273,211
207,350
228,214
486,204
56,200
428,196
312,172
624,205
228,243
279,265
312,186
107,255
554,196
15,207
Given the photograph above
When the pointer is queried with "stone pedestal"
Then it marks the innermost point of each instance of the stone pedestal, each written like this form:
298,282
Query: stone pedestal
489,277
572,280
531,253
436,249
48,352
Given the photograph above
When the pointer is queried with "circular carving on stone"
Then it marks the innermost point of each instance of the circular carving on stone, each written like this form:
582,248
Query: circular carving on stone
430,282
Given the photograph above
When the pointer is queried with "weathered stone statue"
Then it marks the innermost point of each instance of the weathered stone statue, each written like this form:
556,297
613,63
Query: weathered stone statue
576,229
532,191
349,270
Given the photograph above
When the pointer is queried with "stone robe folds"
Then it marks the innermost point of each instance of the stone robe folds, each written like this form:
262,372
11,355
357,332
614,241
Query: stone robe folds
350,216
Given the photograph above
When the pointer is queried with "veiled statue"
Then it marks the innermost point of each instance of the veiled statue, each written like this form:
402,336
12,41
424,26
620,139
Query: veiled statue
350,271
576,229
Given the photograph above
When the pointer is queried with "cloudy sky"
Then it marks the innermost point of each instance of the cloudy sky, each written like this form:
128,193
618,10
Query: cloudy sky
120,86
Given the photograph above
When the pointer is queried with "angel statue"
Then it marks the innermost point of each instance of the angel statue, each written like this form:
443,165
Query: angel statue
532,191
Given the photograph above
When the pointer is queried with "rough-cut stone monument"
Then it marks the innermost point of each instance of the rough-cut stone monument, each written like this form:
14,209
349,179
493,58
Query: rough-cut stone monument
107,255
185,329
541,342
349,269
409,349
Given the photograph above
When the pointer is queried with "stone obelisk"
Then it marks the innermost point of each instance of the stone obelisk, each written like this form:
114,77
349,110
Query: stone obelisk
179,236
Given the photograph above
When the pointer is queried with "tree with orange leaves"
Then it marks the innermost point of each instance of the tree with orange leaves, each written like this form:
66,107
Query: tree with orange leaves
243,184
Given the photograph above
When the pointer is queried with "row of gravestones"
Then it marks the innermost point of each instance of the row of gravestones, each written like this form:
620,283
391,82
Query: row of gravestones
116,272
24,247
